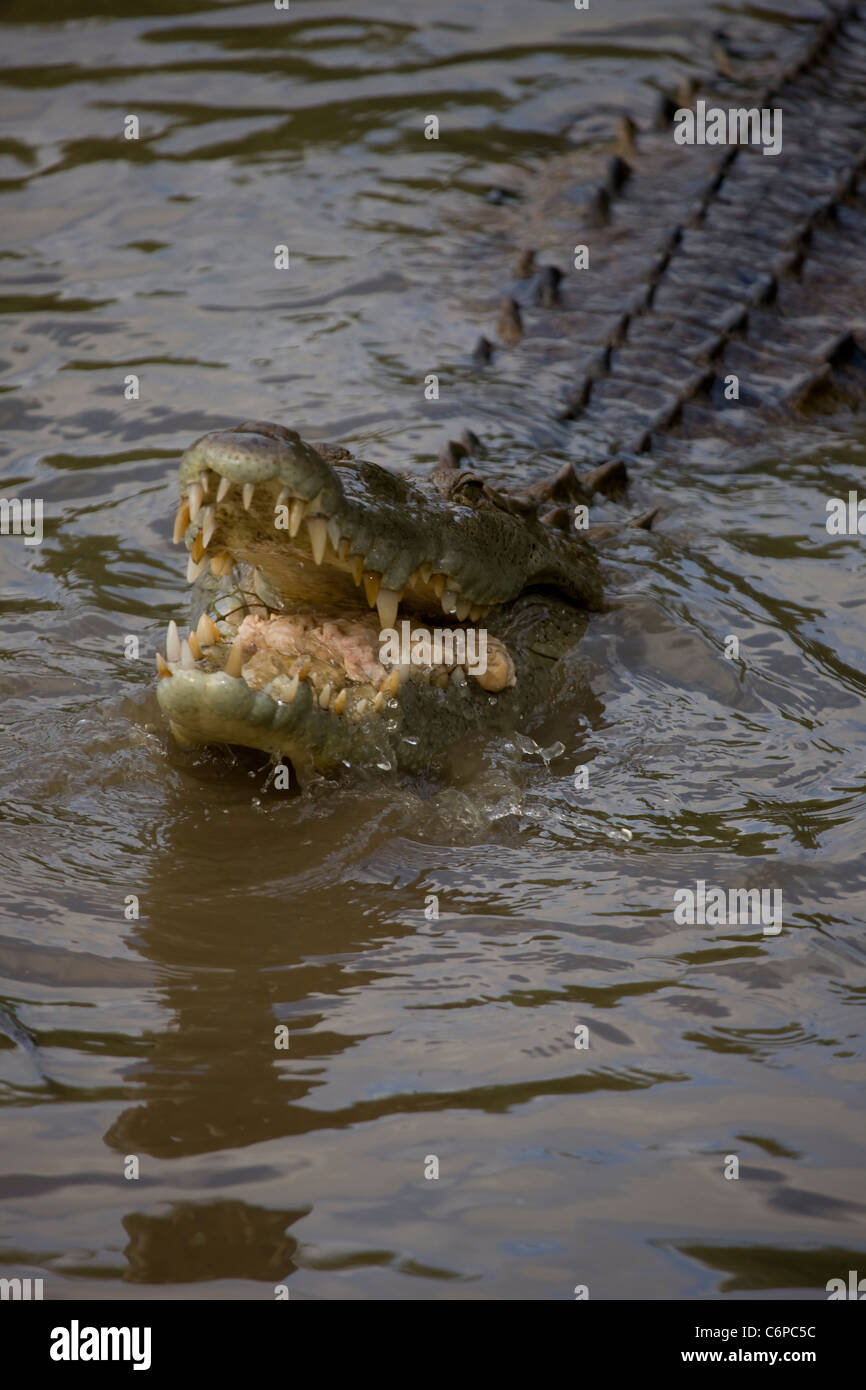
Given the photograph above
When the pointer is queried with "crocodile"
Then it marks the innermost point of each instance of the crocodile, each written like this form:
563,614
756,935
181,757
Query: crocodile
288,659
726,304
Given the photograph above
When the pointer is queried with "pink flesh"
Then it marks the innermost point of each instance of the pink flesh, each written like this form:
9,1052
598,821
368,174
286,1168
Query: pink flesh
353,644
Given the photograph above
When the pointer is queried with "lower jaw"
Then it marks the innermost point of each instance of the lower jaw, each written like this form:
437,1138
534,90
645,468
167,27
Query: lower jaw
216,694
210,708
352,665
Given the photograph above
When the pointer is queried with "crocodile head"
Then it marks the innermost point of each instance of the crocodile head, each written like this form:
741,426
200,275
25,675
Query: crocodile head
305,558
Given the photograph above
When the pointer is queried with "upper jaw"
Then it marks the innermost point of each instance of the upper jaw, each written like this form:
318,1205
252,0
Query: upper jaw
260,494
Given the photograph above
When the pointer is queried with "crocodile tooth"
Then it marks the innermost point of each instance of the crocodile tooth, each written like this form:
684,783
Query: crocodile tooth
359,708
208,526
379,701
291,690
388,602
476,612
195,645
186,657
372,580
162,666
334,533
462,609
318,529
235,660
458,676
325,697
197,548
248,494
424,573
283,499
344,547
181,521
340,703
206,630
194,496
438,582
194,569
297,512
172,643
449,600
391,683
224,489
356,568
304,668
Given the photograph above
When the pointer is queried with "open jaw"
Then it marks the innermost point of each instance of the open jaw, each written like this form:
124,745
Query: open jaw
304,557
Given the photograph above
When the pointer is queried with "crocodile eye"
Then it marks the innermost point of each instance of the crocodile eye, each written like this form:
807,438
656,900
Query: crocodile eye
459,487
470,490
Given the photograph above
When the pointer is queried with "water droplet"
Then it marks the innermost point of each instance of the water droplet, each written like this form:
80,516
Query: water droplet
526,745
554,751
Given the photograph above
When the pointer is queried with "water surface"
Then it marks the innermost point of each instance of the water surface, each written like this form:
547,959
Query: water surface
410,1037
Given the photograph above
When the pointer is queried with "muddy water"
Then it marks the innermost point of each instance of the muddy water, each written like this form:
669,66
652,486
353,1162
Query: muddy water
410,1035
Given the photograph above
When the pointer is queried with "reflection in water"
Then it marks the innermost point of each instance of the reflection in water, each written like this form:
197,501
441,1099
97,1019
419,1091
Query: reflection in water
212,1077
195,1243
755,1268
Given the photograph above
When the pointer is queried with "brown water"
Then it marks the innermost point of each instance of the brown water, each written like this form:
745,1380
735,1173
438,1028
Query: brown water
409,1037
